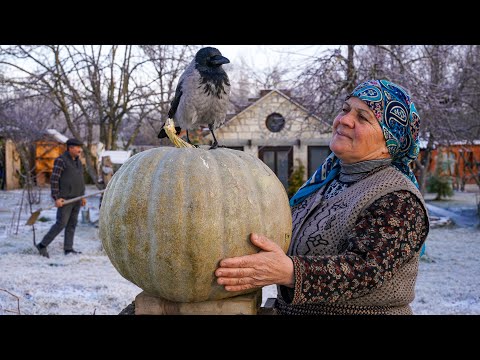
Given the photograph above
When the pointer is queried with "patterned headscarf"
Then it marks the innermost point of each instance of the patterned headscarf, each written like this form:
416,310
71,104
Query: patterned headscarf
400,123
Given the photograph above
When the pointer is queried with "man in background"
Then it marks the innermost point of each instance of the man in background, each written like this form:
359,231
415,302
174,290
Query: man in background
66,183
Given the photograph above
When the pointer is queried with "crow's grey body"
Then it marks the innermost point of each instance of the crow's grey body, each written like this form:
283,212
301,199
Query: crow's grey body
202,94
200,104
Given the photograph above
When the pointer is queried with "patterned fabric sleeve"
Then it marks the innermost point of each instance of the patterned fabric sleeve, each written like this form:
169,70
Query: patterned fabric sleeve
386,235
58,167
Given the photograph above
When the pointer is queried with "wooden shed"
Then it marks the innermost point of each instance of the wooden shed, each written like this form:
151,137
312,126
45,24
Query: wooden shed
46,151
460,160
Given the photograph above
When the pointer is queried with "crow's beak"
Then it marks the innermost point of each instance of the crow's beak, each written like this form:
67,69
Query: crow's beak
218,60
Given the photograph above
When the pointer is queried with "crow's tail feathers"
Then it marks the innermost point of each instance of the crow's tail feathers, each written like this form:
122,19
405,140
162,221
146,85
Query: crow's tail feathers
163,134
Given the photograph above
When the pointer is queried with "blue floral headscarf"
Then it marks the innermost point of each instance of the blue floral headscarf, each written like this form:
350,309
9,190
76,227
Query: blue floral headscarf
400,123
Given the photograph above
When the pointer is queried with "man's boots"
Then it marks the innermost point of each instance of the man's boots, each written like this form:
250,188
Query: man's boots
42,249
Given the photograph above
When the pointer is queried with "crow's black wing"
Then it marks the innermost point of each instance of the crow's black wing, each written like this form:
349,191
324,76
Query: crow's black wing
176,100
173,110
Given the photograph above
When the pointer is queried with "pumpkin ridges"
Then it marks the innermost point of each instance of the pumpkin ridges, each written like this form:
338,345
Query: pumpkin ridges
250,221
136,206
204,228
189,231
271,202
215,288
105,219
139,206
193,224
168,242
249,182
156,246
255,184
238,180
268,202
127,203
230,183
152,237
127,225
183,249
213,216
281,213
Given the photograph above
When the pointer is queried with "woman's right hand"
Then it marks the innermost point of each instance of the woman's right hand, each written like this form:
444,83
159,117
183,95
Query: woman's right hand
268,266
59,202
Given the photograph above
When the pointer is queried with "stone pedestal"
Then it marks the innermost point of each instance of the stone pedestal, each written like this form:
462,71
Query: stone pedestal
248,304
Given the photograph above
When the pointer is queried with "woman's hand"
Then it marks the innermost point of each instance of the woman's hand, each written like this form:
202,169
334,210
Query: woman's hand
267,267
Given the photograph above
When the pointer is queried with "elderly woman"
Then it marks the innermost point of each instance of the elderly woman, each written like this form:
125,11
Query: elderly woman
359,222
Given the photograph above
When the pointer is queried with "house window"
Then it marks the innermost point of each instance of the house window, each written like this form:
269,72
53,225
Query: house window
275,122
316,157
279,159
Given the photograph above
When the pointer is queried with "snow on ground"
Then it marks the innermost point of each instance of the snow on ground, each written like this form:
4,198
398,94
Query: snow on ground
449,277
73,284
449,274
448,281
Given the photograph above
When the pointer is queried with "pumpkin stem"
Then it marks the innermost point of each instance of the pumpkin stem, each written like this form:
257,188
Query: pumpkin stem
169,128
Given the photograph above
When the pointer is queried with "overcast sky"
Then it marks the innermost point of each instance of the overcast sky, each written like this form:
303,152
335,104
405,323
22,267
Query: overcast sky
263,56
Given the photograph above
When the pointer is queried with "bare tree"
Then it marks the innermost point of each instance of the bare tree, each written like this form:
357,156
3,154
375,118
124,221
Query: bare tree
466,98
242,85
444,83
95,88
326,80
247,81
23,119
443,80
168,63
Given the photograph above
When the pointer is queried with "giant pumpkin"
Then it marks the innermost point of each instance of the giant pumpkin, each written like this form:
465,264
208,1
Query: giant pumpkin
169,215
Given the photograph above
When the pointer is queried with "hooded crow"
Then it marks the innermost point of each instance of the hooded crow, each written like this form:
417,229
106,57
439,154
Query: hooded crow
202,94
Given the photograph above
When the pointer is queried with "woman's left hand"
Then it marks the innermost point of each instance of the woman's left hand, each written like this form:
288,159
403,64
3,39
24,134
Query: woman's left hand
267,267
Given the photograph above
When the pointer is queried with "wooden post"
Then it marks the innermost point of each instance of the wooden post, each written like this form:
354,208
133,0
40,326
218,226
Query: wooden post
12,166
248,304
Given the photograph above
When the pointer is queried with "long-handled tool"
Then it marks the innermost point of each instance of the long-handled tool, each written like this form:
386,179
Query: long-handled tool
31,220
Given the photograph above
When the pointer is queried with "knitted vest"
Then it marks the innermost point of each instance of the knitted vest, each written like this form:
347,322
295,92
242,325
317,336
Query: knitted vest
320,227
71,180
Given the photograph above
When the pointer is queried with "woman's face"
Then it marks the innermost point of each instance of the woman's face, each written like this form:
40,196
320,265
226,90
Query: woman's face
357,135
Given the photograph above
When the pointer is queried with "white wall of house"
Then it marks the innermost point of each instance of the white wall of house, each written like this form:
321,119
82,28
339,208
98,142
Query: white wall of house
248,128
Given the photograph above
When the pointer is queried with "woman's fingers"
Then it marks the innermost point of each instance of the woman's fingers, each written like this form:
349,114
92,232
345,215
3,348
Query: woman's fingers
239,261
245,261
238,284
239,287
263,242
235,273
250,271
236,281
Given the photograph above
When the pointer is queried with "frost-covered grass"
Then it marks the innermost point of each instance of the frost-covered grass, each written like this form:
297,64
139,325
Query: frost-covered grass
73,284
448,281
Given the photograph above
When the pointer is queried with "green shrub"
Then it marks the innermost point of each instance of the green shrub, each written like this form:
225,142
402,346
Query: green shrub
441,185
296,179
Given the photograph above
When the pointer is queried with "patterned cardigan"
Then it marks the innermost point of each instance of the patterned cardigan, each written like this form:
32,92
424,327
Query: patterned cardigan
357,252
